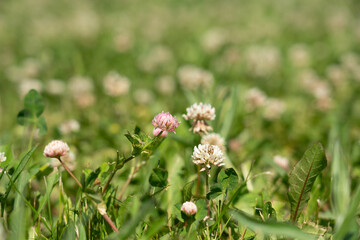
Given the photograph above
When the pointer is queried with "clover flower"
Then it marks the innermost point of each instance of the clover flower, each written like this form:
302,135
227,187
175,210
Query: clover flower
206,155
199,113
192,77
2,157
189,208
69,127
254,98
157,131
56,149
282,162
214,139
165,122
116,85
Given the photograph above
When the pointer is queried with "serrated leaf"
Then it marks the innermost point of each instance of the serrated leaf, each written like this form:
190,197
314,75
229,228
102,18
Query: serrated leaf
228,179
303,176
34,103
158,177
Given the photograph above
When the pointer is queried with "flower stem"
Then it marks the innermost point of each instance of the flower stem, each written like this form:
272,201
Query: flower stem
114,171
111,223
131,176
198,181
206,192
71,174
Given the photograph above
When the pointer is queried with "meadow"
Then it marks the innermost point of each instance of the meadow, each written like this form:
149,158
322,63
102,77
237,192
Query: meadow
179,119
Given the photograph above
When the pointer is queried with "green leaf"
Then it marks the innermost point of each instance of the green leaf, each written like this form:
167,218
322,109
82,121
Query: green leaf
51,181
303,176
340,184
19,169
270,228
187,191
349,228
229,117
269,212
34,103
215,191
228,179
41,125
25,117
158,177
129,228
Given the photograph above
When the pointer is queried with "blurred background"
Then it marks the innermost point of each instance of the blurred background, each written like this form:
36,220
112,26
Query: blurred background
281,74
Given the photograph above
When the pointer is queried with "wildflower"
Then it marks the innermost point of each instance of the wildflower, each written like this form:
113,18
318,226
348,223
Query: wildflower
115,84
199,113
123,42
27,84
165,122
55,87
2,157
69,127
189,208
214,39
254,98
214,139
274,108
165,85
157,131
299,55
206,155
191,77
282,162
262,61
143,96
68,159
56,149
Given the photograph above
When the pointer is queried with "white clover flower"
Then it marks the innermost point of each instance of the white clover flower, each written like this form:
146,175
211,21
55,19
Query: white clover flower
27,84
206,155
165,85
299,55
189,208
2,157
199,113
115,84
254,98
274,108
56,149
262,61
214,139
69,127
55,87
282,162
191,77
80,84
68,159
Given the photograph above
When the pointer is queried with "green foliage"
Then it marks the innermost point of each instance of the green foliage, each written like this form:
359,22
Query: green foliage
31,114
158,177
303,176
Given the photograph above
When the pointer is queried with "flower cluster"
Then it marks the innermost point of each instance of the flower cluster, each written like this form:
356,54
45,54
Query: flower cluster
164,122
199,113
56,149
214,139
206,155
189,208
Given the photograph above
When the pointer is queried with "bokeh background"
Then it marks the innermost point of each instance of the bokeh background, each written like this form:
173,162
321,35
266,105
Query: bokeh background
281,74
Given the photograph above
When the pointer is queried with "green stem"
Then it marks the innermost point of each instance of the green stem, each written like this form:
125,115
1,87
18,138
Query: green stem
71,174
31,137
207,190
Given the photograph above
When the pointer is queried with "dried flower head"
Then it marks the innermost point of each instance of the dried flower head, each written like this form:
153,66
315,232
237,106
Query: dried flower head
2,157
199,113
165,122
206,155
56,149
189,208
214,139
